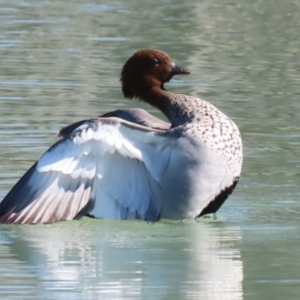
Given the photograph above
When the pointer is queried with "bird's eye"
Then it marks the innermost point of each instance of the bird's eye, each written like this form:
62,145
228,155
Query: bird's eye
156,61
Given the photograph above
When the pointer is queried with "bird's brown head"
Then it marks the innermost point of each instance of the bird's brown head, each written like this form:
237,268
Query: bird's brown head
146,70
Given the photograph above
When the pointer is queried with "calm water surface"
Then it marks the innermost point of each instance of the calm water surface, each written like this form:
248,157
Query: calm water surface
60,62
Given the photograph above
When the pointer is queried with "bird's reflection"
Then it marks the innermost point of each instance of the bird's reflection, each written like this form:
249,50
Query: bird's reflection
116,260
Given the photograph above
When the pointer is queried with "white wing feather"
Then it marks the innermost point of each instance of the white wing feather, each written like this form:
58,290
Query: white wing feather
106,169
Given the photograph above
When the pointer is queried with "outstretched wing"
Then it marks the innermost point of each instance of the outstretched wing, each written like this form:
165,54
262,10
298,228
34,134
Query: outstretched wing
107,167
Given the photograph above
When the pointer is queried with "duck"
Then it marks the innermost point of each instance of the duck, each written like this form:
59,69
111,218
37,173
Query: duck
129,164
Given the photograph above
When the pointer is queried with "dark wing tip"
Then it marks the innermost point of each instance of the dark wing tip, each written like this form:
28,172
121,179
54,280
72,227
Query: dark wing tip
66,131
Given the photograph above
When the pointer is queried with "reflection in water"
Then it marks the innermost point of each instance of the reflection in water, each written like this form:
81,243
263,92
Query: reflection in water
113,260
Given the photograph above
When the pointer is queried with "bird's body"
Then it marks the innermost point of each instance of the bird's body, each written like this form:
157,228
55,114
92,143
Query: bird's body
128,164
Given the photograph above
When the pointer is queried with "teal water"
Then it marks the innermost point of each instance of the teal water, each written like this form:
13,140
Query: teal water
60,63
96,259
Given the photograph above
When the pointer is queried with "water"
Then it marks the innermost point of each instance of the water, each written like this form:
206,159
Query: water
60,62
94,259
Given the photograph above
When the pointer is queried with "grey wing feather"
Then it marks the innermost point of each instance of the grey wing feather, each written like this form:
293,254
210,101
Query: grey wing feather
46,197
139,116
134,115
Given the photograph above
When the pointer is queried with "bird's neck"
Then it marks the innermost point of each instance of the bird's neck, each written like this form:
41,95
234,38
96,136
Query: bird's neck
170,104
